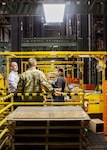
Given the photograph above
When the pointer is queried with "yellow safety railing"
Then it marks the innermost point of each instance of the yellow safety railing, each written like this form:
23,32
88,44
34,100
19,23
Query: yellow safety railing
3,126
42,94
8,103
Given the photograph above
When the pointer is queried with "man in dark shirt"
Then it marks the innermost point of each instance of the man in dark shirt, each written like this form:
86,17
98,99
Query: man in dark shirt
59,84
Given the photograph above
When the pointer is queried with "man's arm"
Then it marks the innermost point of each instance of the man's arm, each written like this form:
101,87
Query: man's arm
45,83
12,83
20,85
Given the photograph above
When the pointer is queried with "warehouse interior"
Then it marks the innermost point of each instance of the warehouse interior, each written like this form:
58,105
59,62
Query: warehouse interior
77,43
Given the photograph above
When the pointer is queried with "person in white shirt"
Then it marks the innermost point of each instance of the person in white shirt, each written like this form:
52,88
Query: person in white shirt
13,78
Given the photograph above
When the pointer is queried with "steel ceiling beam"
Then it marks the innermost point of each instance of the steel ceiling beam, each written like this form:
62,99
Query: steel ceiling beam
51,1
91,6
34,7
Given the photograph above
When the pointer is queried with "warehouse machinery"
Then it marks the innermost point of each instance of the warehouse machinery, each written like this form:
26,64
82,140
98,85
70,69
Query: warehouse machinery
91,101
78,44
69,61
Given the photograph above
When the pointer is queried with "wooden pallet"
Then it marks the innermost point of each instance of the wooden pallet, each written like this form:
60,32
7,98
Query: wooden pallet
50,131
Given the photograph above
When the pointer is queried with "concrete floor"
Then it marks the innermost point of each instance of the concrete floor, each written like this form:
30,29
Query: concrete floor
96,141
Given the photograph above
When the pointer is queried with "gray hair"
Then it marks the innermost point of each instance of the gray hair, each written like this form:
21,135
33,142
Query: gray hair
32,62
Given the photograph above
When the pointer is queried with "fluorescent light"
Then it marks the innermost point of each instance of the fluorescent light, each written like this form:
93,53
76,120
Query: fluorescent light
52,61
84,56
54,13
3,3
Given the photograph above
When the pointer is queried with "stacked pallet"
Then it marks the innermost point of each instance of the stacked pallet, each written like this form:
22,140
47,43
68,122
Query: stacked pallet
47,128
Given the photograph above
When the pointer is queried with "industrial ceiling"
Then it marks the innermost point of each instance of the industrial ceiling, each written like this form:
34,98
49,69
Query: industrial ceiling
34,7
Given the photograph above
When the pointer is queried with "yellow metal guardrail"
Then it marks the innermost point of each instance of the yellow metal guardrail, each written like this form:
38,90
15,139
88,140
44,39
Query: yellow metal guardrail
3,132
39,94
6,105
50,102
11,104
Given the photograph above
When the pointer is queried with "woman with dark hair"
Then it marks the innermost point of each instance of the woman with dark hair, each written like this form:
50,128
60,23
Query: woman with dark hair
59,84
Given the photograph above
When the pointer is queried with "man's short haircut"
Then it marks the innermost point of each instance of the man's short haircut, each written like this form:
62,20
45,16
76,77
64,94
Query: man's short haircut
32,62
59,68
11,63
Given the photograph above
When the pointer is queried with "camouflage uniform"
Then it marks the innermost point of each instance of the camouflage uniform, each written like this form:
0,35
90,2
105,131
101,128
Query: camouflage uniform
30,82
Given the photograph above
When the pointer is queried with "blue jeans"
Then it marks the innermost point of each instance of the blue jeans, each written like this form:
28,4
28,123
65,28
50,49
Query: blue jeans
58,99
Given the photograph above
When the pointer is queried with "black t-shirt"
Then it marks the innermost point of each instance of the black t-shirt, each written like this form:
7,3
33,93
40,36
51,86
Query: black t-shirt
60,83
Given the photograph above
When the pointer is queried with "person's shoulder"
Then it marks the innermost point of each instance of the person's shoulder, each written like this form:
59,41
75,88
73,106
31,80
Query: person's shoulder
62,78
10,74
38,71
25,73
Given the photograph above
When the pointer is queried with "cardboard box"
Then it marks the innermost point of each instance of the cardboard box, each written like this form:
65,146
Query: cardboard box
96,125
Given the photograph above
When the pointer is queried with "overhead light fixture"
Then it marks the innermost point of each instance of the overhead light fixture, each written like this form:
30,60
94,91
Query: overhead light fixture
54,13
84,56
55,46
52,61
13,55
52,54
3,3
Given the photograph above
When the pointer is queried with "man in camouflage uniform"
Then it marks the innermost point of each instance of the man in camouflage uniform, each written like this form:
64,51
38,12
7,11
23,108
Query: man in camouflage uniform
31,81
